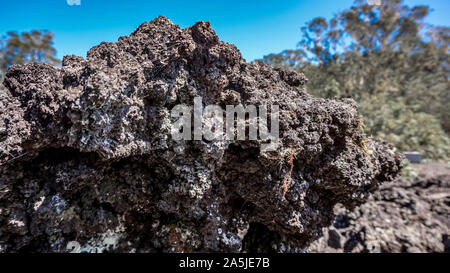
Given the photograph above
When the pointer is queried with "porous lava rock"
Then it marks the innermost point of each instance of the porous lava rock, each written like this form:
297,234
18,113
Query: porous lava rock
88,162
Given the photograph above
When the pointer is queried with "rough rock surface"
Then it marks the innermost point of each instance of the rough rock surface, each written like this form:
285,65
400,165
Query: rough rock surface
88,162
408,215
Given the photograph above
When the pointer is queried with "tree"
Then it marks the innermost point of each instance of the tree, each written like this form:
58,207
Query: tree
382,56
34,46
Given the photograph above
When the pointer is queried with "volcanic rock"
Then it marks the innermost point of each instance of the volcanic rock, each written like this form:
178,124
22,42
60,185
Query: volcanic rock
408,215
88,164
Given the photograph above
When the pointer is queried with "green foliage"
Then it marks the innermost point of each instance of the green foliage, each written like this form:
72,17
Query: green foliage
408,170
404,128
34,46
391,62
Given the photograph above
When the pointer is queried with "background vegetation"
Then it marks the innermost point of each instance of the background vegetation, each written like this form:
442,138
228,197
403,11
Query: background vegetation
34,46
391,62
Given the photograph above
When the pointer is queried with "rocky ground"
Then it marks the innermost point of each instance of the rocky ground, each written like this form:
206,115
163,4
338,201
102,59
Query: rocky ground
407,215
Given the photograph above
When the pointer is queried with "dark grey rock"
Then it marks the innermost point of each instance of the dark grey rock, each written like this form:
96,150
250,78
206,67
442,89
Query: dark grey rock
334,239
88,162
407,215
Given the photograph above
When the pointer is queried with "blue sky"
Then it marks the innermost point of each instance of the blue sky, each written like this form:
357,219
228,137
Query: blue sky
257,27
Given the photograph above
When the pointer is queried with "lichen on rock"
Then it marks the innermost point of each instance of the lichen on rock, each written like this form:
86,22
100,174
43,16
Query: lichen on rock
87,158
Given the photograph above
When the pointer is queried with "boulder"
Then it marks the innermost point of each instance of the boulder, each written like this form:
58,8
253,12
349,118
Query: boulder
88,162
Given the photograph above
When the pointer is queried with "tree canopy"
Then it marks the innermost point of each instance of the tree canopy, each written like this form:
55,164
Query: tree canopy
389,60
34,46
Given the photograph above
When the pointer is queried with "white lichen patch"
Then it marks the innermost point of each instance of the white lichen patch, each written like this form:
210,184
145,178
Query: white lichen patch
38,204
108,240
295,221
16,223
188,236
230,239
